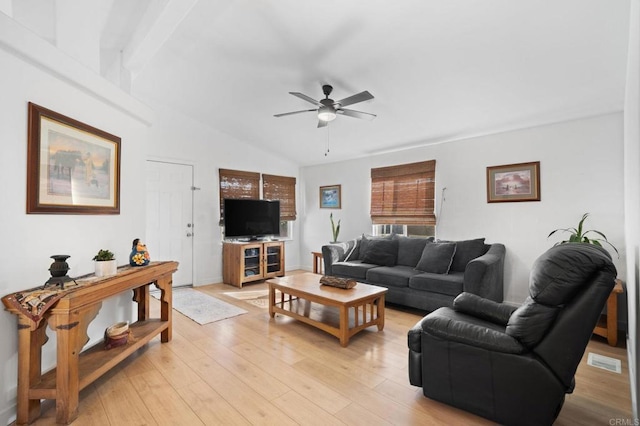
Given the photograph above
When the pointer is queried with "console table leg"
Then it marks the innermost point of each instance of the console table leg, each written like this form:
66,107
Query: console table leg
164,284
141,297
71,335
30,344
67,387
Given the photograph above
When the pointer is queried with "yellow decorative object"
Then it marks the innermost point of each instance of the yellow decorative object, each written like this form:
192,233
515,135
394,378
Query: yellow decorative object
139,255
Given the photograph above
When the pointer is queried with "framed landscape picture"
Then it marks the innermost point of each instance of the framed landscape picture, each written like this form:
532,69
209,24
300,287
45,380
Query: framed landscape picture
330,197
72,168
513,182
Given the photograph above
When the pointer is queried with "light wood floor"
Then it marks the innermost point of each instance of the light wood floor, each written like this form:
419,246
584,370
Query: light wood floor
251,370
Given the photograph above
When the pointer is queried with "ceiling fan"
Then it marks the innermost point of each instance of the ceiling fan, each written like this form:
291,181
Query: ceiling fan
327,108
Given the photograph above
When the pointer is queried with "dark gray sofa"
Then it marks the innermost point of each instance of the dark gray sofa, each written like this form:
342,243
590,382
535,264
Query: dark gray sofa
419,272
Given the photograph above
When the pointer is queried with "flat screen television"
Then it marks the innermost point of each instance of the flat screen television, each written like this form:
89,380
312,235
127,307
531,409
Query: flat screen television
252,219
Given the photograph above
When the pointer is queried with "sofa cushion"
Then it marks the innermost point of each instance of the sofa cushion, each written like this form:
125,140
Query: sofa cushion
364,243
436,258
466,251
397,276
381,252
354,269
450,284
410,250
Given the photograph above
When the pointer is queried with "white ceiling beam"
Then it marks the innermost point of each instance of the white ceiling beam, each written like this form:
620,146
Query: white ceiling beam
159,22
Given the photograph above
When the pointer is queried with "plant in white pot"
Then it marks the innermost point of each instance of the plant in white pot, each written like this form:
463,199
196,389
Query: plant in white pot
105,263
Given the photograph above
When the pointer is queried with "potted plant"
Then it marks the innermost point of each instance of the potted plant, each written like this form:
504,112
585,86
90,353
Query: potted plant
335,229
105,263
579,235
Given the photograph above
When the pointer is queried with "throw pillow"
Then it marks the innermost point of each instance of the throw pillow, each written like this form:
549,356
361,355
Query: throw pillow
364,243
381,252
466,251
437,258
354,253
410,249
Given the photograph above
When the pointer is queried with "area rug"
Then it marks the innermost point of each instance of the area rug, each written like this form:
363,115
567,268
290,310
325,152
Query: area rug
259,298
201,307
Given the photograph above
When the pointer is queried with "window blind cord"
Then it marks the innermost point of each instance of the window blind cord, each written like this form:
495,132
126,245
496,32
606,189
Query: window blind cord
442,200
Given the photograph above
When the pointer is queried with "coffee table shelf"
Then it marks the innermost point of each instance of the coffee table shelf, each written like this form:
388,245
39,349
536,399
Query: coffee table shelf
339,312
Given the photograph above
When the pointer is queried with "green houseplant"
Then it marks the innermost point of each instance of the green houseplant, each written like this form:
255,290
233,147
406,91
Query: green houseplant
104,255
105,263
579,235
335,229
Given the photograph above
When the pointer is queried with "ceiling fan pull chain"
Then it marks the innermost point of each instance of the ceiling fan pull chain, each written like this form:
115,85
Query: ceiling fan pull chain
327,151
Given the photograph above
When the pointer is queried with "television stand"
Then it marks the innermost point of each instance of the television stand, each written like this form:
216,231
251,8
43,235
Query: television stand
245,262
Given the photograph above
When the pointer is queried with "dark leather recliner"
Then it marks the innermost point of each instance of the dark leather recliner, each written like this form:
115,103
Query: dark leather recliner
515,365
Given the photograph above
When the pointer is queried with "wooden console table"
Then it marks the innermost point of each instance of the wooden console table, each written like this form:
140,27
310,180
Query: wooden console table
69,317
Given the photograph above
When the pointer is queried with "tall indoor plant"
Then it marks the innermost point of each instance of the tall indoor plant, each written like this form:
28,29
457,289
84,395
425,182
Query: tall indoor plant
579,235
335,229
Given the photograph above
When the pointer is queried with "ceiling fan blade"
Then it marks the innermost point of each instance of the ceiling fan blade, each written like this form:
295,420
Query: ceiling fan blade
356,114
305,97
354,99
294,112
322,123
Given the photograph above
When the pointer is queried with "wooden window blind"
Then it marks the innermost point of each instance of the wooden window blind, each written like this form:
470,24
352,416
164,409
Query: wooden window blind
404,194
281,188
238,184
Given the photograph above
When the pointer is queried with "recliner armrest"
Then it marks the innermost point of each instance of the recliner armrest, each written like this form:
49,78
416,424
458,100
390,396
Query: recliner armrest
447,324
480,307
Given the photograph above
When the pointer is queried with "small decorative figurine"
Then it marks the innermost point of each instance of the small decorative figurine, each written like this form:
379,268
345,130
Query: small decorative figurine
139,255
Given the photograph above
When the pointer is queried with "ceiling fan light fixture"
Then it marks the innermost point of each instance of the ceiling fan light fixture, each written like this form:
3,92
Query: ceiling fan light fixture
326,113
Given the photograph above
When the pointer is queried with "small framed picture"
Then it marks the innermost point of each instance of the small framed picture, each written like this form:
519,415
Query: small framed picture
513,182
73,168
330,197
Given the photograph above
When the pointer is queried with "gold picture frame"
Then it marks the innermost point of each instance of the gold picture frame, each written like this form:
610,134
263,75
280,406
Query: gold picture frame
513,182
72,168
331,197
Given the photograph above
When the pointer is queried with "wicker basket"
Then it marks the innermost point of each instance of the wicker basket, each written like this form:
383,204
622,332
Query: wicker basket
116,335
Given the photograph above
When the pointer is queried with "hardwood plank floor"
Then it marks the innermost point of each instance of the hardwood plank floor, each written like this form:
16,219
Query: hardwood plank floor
252,370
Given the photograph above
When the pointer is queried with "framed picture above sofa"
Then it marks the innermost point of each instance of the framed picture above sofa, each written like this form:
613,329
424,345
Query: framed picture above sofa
513,182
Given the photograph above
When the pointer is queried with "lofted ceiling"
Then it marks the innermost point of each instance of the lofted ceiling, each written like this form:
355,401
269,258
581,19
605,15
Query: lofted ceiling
440,70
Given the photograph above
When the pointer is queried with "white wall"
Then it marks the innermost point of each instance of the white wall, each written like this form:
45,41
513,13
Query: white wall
177,138
29,240
581,171
632,196
40,73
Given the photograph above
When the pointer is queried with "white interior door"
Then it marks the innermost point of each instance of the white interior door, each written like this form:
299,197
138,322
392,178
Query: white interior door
169,233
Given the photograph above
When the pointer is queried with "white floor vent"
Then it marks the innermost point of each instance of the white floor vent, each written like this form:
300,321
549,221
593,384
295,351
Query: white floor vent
604,362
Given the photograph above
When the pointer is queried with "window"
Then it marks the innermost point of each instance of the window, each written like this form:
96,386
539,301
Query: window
404,195
281,188
238,184
241,184
286,230
408,230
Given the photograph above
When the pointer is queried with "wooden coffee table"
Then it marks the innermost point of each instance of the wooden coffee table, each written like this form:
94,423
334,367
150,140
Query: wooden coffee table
356,308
